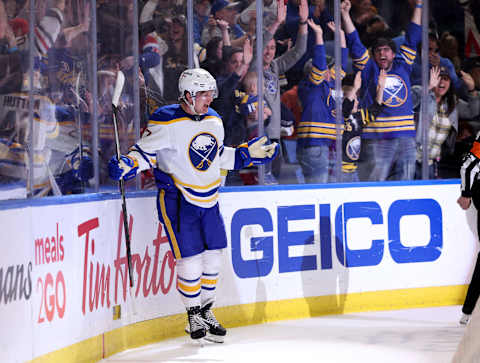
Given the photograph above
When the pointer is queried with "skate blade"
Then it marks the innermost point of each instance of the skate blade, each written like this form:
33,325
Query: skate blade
214,338
199,342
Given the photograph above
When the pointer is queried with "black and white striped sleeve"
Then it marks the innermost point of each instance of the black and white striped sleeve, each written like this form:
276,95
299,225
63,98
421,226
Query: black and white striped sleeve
469,173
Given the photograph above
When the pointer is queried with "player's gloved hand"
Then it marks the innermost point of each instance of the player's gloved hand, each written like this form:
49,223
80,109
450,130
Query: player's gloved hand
260,153
125,168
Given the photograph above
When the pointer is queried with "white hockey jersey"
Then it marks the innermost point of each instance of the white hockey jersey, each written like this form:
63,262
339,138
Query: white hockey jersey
188,148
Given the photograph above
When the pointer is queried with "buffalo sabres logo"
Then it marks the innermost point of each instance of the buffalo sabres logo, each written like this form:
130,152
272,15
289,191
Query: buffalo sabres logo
202,151
353,148
395,92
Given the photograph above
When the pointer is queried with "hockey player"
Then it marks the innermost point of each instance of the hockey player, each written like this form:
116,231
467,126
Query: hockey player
183,143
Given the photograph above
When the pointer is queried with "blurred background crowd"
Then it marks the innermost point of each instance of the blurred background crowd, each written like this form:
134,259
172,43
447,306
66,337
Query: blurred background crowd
59,60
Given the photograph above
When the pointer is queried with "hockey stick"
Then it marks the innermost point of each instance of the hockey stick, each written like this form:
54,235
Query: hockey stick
121,183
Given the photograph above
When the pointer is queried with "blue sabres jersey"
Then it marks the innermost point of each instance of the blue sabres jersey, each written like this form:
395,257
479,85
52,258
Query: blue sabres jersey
189,149
318,125
396,118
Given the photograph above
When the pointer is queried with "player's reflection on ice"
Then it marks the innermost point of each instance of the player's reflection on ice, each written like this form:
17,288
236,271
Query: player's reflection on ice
413,335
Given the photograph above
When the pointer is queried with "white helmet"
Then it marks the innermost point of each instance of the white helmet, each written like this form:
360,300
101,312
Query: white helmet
196,80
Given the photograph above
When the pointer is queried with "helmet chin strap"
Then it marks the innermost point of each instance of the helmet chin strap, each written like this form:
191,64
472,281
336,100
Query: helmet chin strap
191,106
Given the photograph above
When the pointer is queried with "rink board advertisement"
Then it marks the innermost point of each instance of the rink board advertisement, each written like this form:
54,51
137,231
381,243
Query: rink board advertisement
63,269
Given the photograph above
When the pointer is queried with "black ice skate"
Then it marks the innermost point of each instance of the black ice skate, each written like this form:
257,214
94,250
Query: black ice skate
196,325
216,332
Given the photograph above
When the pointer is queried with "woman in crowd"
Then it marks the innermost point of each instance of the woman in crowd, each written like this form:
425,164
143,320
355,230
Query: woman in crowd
444,109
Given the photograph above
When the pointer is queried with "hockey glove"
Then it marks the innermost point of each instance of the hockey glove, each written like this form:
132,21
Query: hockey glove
261,153
126,168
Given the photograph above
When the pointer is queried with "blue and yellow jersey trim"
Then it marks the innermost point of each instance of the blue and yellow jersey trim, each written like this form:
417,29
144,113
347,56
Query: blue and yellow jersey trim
199,193
317,130
168,225
362,61
391,124
333,74
317,75
174,113
408,54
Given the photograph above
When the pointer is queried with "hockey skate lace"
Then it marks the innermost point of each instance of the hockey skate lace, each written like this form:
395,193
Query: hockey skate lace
210,318
196,322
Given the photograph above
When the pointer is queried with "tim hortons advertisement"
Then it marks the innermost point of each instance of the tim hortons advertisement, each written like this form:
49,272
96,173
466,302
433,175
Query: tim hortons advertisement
64,269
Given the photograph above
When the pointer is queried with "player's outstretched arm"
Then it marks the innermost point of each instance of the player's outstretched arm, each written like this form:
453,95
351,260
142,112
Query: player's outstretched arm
255,152
126,168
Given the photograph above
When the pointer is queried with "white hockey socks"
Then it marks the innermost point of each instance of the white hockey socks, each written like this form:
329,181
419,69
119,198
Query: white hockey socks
189,285
212,262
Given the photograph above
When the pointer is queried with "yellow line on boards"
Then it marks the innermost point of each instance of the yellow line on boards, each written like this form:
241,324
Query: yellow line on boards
152,331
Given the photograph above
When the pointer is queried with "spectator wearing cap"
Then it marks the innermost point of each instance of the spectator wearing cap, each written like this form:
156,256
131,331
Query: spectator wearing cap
443,112
273,67
228,12
389,142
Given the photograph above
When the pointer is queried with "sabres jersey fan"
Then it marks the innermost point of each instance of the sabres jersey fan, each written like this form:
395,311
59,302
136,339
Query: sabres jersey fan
318,124
317,129
396,118
184,145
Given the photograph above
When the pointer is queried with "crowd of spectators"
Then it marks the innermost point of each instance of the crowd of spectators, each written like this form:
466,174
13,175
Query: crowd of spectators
57,74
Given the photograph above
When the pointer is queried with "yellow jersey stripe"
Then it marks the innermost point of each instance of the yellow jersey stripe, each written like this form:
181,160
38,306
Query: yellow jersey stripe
390,129
153,122
316,130
216,183
388,124
409,117
408,50
320,124
168,225
313,136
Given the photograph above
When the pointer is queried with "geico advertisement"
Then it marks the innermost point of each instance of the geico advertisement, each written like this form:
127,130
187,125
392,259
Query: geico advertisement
63,268
315,242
